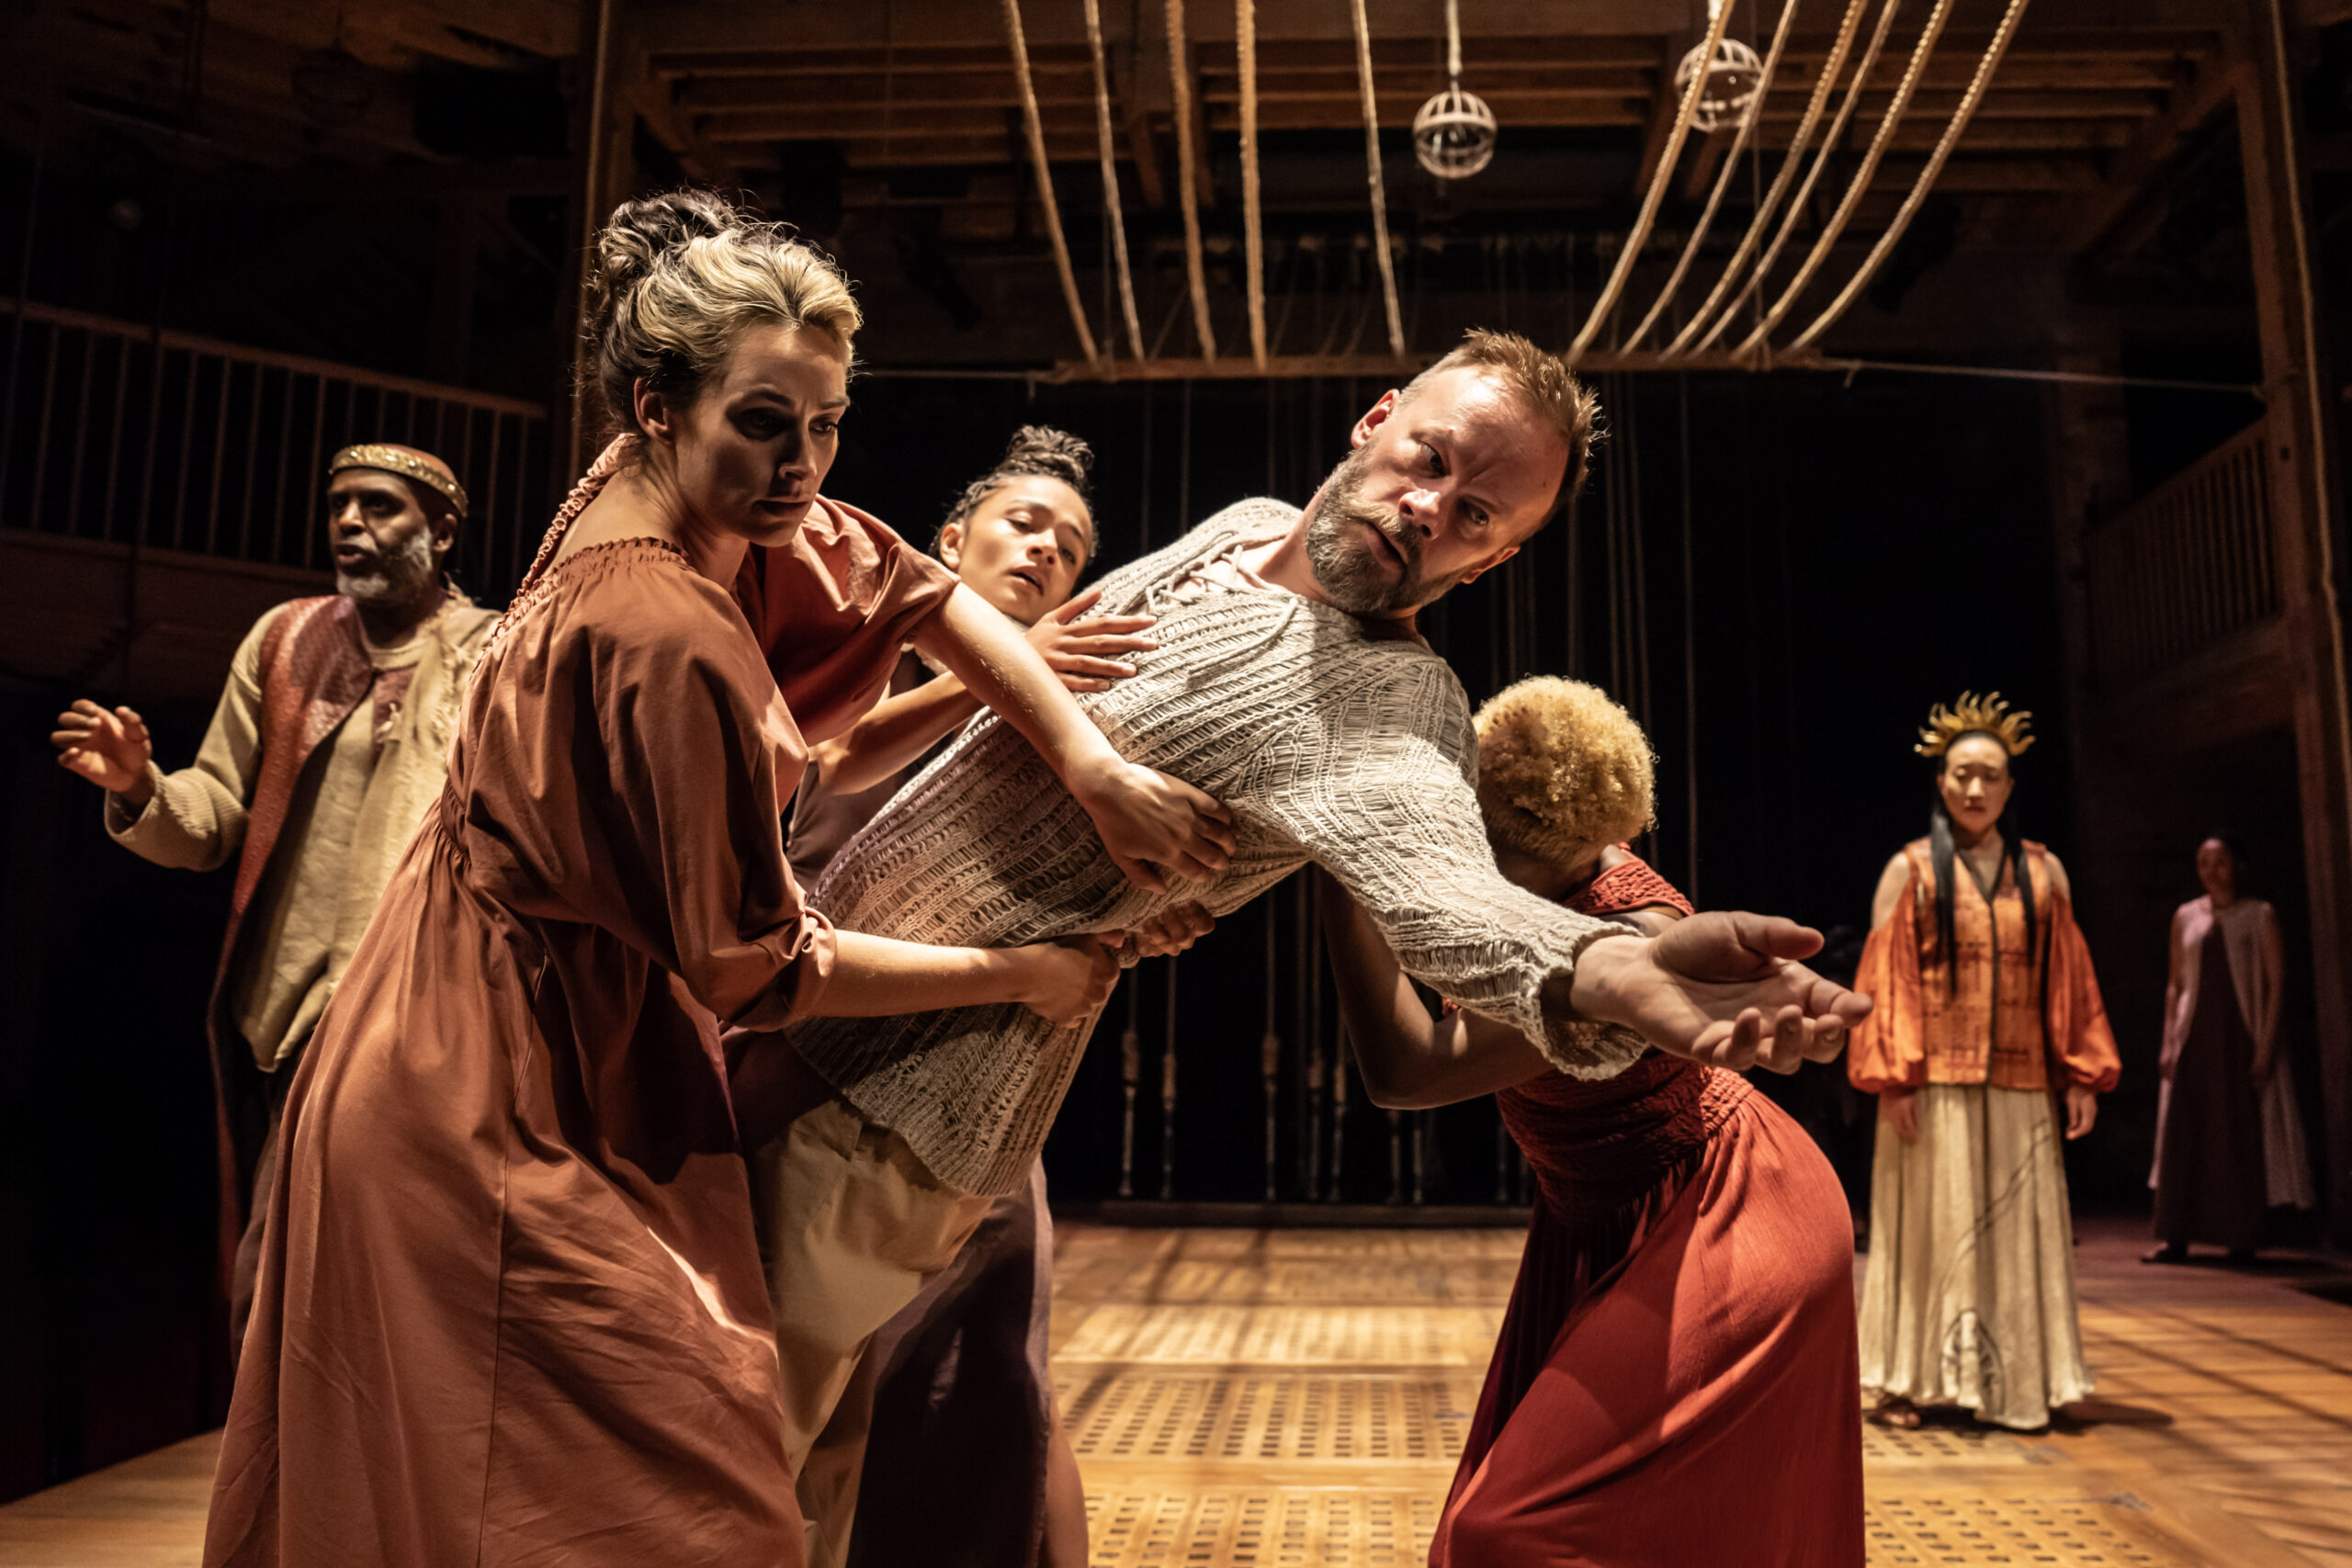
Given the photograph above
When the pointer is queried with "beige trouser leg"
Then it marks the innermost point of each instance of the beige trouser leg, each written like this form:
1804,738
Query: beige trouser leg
851,1225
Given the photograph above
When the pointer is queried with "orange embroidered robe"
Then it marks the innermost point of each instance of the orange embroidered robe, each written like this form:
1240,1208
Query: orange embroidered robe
2011,1016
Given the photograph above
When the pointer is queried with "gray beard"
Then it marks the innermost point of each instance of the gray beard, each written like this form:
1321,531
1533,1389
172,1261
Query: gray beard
1350,572
401,577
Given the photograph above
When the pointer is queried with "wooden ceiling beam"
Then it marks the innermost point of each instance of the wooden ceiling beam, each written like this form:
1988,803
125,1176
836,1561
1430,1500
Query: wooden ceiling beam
2017,71
1999,104
1325,115
959,90
952,152
1279,86
1994,136
698,25
876,121
701,158
2210,86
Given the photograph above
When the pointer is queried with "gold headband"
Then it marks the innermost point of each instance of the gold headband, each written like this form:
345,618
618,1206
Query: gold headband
408,465
1986,715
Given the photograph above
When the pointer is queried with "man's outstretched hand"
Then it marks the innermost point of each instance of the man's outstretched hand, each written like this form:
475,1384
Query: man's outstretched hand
1721,987
106,746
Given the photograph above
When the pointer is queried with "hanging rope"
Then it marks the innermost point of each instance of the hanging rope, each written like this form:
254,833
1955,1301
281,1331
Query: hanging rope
1111,180
1789,166
1723,180
1020,44
1245,43
1858,187
1378,181
1659,179
1927,176
1179,82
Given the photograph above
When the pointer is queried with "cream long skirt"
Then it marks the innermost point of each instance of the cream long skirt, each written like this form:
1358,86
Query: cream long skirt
1969,1296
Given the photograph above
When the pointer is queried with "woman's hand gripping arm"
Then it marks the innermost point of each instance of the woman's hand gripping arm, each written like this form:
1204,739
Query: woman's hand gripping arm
1149,822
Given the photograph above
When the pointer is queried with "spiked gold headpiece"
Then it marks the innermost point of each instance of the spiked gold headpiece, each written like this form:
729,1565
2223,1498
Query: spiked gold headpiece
1988,715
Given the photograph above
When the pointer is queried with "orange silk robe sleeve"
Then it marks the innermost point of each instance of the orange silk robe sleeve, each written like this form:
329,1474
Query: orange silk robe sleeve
2081,1042
1888,1049
833,608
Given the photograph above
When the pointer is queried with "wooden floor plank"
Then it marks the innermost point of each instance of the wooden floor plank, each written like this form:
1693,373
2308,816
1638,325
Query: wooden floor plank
1297,1399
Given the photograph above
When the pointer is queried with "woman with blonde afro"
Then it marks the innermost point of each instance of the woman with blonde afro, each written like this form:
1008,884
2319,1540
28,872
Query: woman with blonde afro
1682,1328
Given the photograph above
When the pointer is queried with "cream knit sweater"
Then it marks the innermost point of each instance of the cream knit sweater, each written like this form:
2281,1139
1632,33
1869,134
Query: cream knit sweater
1328,745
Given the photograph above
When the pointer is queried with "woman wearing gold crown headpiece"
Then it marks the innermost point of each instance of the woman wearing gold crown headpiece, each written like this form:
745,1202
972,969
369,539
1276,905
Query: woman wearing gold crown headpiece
1985,1004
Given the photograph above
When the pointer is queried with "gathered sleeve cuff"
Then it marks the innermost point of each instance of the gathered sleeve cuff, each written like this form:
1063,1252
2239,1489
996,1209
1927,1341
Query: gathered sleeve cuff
801,954
2081,1040
1888,1050
833,608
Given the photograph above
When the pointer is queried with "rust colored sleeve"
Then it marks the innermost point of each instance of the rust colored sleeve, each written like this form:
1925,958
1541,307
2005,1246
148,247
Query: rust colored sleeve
1887,1050
2081,1041
833,608
637,787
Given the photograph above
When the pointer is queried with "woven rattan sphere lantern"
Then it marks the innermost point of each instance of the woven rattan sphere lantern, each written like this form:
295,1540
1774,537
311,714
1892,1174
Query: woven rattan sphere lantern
1453,136
1730,87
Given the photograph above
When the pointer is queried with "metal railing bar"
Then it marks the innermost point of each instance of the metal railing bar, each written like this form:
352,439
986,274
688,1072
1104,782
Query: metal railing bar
40,442
277,492
252,460
187,455
81,430
147,466
318,437
301,364
220,458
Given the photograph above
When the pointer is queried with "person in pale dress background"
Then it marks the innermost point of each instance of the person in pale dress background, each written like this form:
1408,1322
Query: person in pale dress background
2229,1139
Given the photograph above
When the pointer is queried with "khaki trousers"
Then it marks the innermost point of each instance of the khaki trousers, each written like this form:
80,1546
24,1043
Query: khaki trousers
851,1226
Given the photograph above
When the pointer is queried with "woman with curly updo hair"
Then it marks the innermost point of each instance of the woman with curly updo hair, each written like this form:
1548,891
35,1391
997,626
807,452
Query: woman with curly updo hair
1682,1328
511,1306
952,1400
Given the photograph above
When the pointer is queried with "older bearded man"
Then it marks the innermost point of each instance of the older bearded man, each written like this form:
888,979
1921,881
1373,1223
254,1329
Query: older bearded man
1290,683
325,753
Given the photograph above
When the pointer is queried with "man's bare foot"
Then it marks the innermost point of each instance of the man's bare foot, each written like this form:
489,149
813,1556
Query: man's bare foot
1900,1415
2170,1252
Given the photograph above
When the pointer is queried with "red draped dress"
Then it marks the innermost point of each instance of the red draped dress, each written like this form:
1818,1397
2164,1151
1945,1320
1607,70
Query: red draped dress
1675,1381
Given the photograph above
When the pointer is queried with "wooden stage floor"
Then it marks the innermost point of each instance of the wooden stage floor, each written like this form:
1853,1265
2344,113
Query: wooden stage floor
1296,1399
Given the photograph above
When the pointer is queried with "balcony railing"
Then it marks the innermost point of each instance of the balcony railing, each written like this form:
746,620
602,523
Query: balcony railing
2185,566
114,430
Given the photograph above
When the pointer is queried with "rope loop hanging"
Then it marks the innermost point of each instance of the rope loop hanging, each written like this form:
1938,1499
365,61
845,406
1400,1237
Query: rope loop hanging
1111,205
1659,179
1245,43
1180,84
1019,42
1985,67
1797,204
1378,181
1857,187
1730,171
1791,159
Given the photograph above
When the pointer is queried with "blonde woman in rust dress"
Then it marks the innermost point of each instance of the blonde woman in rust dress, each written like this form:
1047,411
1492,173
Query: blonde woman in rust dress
1986,1005
511,1307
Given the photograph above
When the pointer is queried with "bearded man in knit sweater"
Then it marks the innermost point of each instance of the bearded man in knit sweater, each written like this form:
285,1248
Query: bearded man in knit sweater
1290,683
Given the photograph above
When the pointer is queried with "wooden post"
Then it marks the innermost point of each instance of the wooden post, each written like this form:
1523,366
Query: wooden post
2304,502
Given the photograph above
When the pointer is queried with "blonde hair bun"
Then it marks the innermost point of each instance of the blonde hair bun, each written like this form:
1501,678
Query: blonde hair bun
680,275
1563,770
